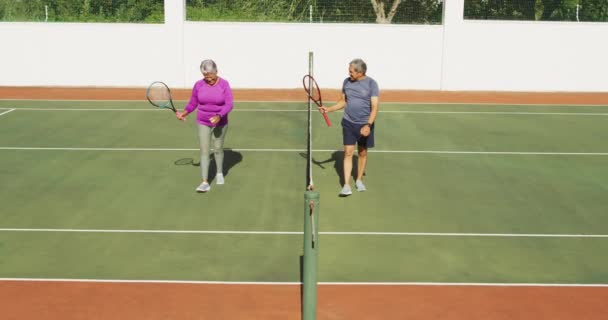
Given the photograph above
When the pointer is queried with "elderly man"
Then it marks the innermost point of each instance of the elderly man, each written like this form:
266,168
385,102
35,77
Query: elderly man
360,98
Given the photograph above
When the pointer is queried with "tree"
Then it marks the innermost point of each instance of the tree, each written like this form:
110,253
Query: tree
352,11
381,15
549,6
527,8
544,10
593,10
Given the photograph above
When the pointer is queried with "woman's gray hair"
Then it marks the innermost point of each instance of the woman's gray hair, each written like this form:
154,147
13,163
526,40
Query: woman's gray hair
359,65
208,66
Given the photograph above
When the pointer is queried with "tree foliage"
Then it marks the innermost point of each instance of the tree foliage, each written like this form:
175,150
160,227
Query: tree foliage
353,11
344,11
534,10
150,11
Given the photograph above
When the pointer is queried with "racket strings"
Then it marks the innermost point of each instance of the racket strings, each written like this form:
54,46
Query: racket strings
312,89
315,93
159,95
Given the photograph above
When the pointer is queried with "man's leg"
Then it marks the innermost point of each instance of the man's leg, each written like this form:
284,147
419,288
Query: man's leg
361,167
349,151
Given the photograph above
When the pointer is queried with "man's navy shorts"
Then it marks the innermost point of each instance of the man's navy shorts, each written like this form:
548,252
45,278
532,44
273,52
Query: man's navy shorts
351,134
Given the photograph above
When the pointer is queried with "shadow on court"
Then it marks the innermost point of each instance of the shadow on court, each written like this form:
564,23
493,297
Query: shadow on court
231,159
337,160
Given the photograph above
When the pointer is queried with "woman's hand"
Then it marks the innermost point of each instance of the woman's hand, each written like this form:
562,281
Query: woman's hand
215,119
181,115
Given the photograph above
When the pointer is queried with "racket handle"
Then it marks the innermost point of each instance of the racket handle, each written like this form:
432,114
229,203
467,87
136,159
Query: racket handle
326,119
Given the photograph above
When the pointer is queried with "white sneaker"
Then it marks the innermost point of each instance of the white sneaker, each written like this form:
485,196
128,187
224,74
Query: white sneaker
346,191
203,187
219,179
360,186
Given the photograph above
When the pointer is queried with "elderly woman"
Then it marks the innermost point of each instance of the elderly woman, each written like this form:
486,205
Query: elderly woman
212,99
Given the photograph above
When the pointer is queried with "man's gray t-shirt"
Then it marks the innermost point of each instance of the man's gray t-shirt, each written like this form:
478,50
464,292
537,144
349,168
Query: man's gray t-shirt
358,99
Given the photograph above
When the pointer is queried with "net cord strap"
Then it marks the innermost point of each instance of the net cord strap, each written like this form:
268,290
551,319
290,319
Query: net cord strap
311,205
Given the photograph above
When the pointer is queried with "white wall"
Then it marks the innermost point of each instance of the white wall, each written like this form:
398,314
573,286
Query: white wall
276,55
527,56
37,54
460,55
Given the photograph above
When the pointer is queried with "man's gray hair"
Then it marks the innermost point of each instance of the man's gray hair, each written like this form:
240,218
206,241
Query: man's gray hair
208,66
359,65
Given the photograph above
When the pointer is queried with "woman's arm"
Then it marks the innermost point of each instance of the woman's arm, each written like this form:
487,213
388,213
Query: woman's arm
228,100
190,106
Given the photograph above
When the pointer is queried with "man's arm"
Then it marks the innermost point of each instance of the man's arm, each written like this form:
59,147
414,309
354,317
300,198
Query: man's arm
372,115
338,106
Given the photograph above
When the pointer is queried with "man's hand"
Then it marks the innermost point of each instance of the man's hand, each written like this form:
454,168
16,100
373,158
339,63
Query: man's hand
323,109
366,130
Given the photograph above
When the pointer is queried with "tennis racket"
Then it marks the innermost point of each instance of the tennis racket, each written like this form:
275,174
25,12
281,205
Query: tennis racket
159,95
314,93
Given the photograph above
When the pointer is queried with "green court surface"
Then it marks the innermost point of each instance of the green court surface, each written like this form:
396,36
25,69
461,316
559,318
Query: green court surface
456,194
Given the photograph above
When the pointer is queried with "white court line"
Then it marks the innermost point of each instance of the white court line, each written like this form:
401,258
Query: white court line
455,234
321,150
77,100
381,102
149,109
491,152
500,112
91,109
467,284
338,233
151,231
305,110
7,111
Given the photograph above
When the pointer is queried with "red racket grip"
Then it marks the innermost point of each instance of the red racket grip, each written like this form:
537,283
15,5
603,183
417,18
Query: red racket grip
326,119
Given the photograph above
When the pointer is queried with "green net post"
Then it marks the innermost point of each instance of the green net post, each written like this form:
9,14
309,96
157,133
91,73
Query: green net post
311,251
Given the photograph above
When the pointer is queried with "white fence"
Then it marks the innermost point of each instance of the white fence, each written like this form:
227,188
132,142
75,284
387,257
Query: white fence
457,56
